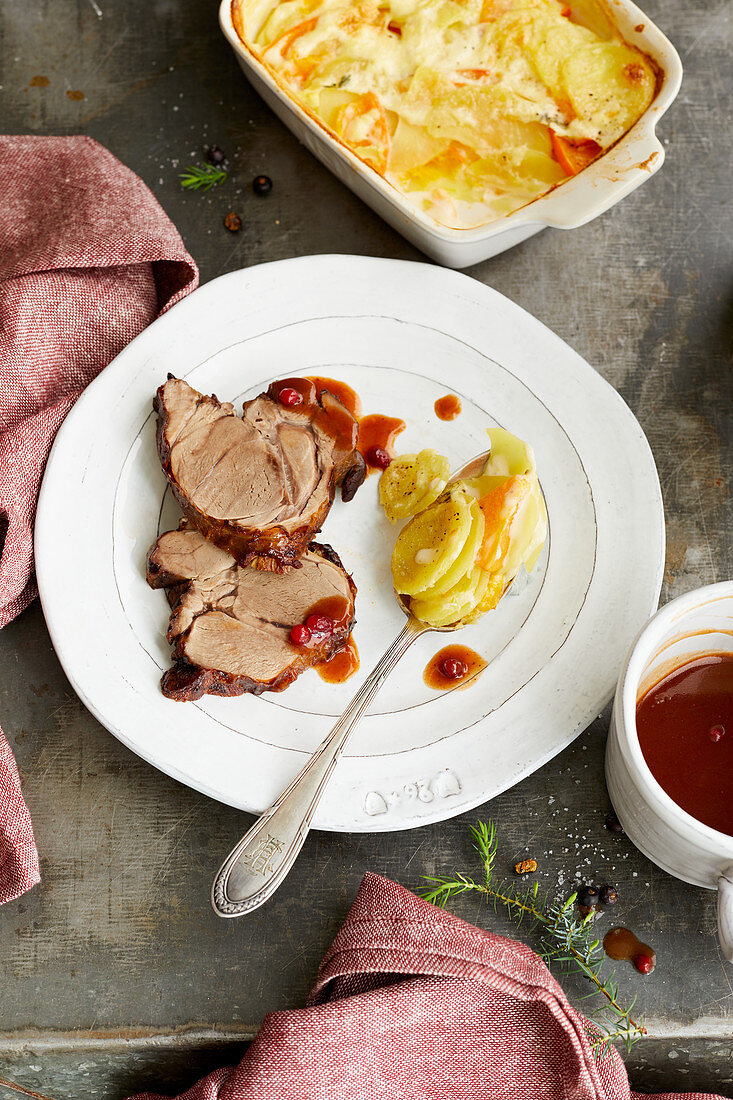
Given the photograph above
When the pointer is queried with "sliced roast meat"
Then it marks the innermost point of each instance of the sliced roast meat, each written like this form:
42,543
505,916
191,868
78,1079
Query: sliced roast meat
230,625
260,485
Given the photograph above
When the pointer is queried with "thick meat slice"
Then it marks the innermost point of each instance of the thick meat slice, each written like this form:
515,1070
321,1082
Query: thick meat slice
230,626
259,486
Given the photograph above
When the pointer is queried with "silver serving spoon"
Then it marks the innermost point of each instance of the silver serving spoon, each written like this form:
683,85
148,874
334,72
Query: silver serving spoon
255,868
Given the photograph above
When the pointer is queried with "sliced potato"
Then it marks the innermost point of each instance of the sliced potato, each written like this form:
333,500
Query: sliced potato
411,147
592,14
509,449
610,85
465,561
455,604
287,14
492,593
411,483
487,118
548,41
330,102
430,543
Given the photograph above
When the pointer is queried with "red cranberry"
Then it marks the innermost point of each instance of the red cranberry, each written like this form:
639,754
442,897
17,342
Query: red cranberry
644,964
290,397
453,668
300,635
319,624
716,732
377,456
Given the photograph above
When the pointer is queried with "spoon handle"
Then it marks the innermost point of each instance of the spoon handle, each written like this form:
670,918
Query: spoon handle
254,869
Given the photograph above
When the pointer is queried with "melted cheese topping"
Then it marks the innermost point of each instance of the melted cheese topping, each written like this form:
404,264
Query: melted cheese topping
471,108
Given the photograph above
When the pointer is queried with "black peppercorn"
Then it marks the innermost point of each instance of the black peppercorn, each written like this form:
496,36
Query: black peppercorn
262,185
588,897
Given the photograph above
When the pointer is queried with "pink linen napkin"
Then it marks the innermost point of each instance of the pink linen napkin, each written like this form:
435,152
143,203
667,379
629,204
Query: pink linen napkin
412,1003
87,260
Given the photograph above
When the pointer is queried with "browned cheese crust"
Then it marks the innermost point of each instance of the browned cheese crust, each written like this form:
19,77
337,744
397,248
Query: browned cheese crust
261,485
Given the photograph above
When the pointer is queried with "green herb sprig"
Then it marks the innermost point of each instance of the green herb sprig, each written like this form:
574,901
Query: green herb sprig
567,942
202,177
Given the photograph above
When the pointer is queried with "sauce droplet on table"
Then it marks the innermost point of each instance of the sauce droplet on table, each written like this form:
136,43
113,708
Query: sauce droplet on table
621,943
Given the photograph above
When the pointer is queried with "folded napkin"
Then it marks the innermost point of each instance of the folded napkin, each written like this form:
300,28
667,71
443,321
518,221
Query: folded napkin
412,1003
87,259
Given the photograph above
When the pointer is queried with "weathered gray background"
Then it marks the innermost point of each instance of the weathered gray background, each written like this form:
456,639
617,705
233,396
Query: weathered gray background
115,973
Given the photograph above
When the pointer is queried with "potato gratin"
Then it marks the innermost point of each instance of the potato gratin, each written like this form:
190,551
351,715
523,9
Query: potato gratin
470,108
465,543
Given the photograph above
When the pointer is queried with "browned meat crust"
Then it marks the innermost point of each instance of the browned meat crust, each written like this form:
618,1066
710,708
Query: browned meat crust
229,626
259,486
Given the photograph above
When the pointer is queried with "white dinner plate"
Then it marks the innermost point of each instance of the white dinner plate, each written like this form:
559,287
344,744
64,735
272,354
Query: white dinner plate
402,334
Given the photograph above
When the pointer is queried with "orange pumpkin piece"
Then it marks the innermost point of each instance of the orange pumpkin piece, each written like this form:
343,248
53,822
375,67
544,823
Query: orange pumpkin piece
499,507
348,123
573,156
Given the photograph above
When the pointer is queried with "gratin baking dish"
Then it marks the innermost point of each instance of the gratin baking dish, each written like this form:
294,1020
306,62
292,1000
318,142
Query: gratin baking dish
631,161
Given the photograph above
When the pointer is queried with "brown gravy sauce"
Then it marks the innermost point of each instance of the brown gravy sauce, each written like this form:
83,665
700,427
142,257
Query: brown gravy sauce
621,943
375,430
435,676
334,420
348,397
685,729
448,407
342,666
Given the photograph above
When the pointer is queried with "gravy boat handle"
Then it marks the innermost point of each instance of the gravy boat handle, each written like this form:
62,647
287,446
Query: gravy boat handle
725,912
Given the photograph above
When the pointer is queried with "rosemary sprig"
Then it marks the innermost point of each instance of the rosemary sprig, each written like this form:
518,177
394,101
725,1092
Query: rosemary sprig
202,177
566,941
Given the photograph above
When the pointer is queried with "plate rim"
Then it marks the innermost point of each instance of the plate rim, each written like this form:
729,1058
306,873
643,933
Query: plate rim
448,807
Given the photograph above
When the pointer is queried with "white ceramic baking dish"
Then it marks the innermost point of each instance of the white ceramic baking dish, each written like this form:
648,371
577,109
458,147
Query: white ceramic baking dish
631,161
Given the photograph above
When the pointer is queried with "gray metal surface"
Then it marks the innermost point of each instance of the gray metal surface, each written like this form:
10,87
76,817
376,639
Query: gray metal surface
114,972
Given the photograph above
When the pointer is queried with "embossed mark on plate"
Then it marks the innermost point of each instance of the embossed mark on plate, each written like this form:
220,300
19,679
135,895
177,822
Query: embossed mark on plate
442,785
262,860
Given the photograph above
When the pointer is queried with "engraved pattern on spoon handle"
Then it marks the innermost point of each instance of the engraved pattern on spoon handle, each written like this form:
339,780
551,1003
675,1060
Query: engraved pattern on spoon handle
254,869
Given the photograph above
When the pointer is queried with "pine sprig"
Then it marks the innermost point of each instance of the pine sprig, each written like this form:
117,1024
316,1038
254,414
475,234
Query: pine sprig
202,177
567,942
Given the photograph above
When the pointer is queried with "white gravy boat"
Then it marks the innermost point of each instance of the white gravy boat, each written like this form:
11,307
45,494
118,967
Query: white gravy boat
691,626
